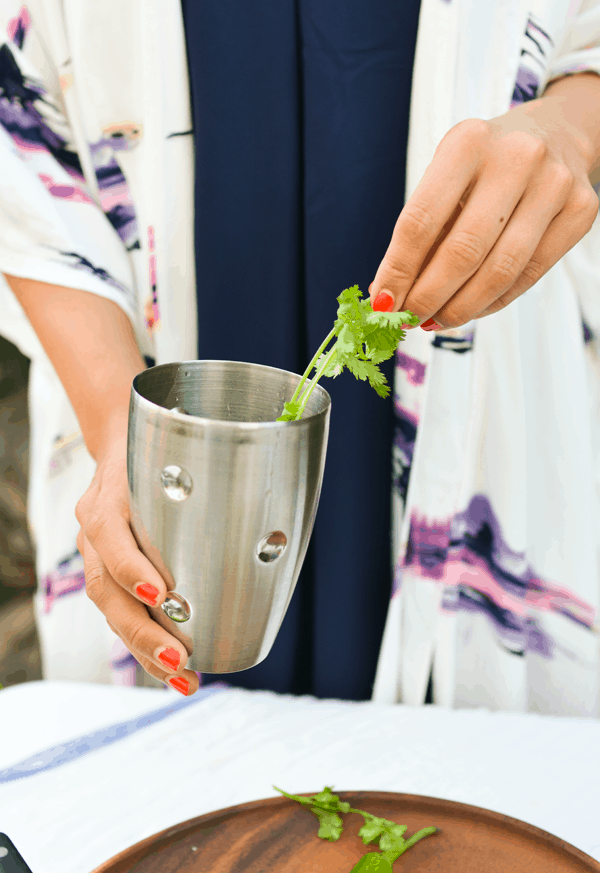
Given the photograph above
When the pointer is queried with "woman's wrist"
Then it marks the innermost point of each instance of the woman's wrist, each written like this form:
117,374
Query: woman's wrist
575,101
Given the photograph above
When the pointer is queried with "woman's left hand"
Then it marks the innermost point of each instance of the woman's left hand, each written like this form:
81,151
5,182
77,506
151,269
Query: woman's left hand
501,202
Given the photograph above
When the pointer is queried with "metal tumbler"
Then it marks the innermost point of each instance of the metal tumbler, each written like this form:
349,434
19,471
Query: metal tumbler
223,500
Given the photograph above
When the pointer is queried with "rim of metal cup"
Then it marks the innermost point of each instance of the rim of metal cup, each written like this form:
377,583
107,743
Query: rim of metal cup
222,422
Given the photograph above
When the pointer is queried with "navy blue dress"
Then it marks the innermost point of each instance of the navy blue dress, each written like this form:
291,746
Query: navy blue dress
301,121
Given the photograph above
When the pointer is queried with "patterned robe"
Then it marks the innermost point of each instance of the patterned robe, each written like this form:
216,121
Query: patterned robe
496,493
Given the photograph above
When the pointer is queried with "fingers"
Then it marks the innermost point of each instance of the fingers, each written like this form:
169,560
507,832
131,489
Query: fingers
445,182
563,233
110,536
130,620
497,207
515,247
186,681
489,210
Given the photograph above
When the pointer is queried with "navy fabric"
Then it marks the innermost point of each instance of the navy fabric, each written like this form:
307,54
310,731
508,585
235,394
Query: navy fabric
301,120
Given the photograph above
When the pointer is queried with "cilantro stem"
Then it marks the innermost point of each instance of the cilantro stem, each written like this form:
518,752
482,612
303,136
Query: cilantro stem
425,832
314,381
312,365
327,807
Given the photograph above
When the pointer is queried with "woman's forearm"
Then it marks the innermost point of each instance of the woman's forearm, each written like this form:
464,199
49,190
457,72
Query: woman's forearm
92,347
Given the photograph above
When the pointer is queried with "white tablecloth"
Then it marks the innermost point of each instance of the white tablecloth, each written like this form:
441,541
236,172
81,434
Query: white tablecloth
75,789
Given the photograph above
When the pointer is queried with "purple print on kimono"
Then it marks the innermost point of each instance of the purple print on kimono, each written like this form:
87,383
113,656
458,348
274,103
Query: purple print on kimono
34,124
21,103
115,197
66,579
405,435
536,50
18,27
479,572
412,373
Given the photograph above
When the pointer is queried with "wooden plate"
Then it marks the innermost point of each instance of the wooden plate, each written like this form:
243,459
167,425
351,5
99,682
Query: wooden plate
278,836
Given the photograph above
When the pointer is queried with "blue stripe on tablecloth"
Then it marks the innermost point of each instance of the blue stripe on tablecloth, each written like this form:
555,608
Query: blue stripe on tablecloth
73,749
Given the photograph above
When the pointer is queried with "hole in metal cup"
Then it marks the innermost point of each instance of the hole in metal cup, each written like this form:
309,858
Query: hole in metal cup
271,547
176,607
176,483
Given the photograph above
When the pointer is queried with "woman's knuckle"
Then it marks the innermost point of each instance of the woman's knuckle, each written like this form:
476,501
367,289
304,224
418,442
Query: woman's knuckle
532,272
492,308
472,129
121,569
562,178
417,223
526,145
93,527
455,315
94,585
506,268
584,204
397,273
465,249
136,637
422,303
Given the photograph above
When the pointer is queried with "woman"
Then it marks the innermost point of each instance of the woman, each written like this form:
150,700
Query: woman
300,119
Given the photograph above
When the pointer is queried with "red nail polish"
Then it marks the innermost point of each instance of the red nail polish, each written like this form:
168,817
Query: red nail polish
384,302
148,593
431,325
170,658
180,684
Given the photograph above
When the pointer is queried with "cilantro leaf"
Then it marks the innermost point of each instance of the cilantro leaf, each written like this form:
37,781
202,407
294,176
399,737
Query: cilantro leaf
372,862
327,806
330,824
363,340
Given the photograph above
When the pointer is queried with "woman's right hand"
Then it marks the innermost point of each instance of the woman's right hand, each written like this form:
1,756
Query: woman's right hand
120,580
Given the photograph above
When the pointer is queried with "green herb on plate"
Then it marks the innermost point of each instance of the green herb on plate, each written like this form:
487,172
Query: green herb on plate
364,339
327,808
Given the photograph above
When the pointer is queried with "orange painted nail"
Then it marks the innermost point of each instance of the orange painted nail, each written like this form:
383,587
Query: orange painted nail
430,324
180,684
384,302
170,658
148,593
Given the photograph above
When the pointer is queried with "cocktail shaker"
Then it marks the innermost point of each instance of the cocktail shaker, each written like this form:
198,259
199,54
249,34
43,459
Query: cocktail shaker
223,500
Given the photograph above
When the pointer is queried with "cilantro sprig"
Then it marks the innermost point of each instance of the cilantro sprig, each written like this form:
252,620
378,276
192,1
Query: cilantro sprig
327,808
364,339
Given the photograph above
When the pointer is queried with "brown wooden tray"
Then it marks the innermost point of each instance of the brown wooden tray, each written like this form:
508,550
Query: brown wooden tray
278,836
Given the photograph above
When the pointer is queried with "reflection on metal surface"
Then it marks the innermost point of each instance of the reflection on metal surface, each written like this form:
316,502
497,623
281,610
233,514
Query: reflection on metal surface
177,607
176,483
271,547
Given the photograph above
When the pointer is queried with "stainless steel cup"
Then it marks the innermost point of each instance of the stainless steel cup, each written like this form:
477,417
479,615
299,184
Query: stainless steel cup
223,500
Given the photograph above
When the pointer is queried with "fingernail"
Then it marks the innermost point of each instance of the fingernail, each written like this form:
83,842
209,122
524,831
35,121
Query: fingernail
170,658
180,684
384,302
431,325
148,593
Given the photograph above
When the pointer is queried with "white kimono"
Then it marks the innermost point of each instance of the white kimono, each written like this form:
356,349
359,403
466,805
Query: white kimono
497,582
